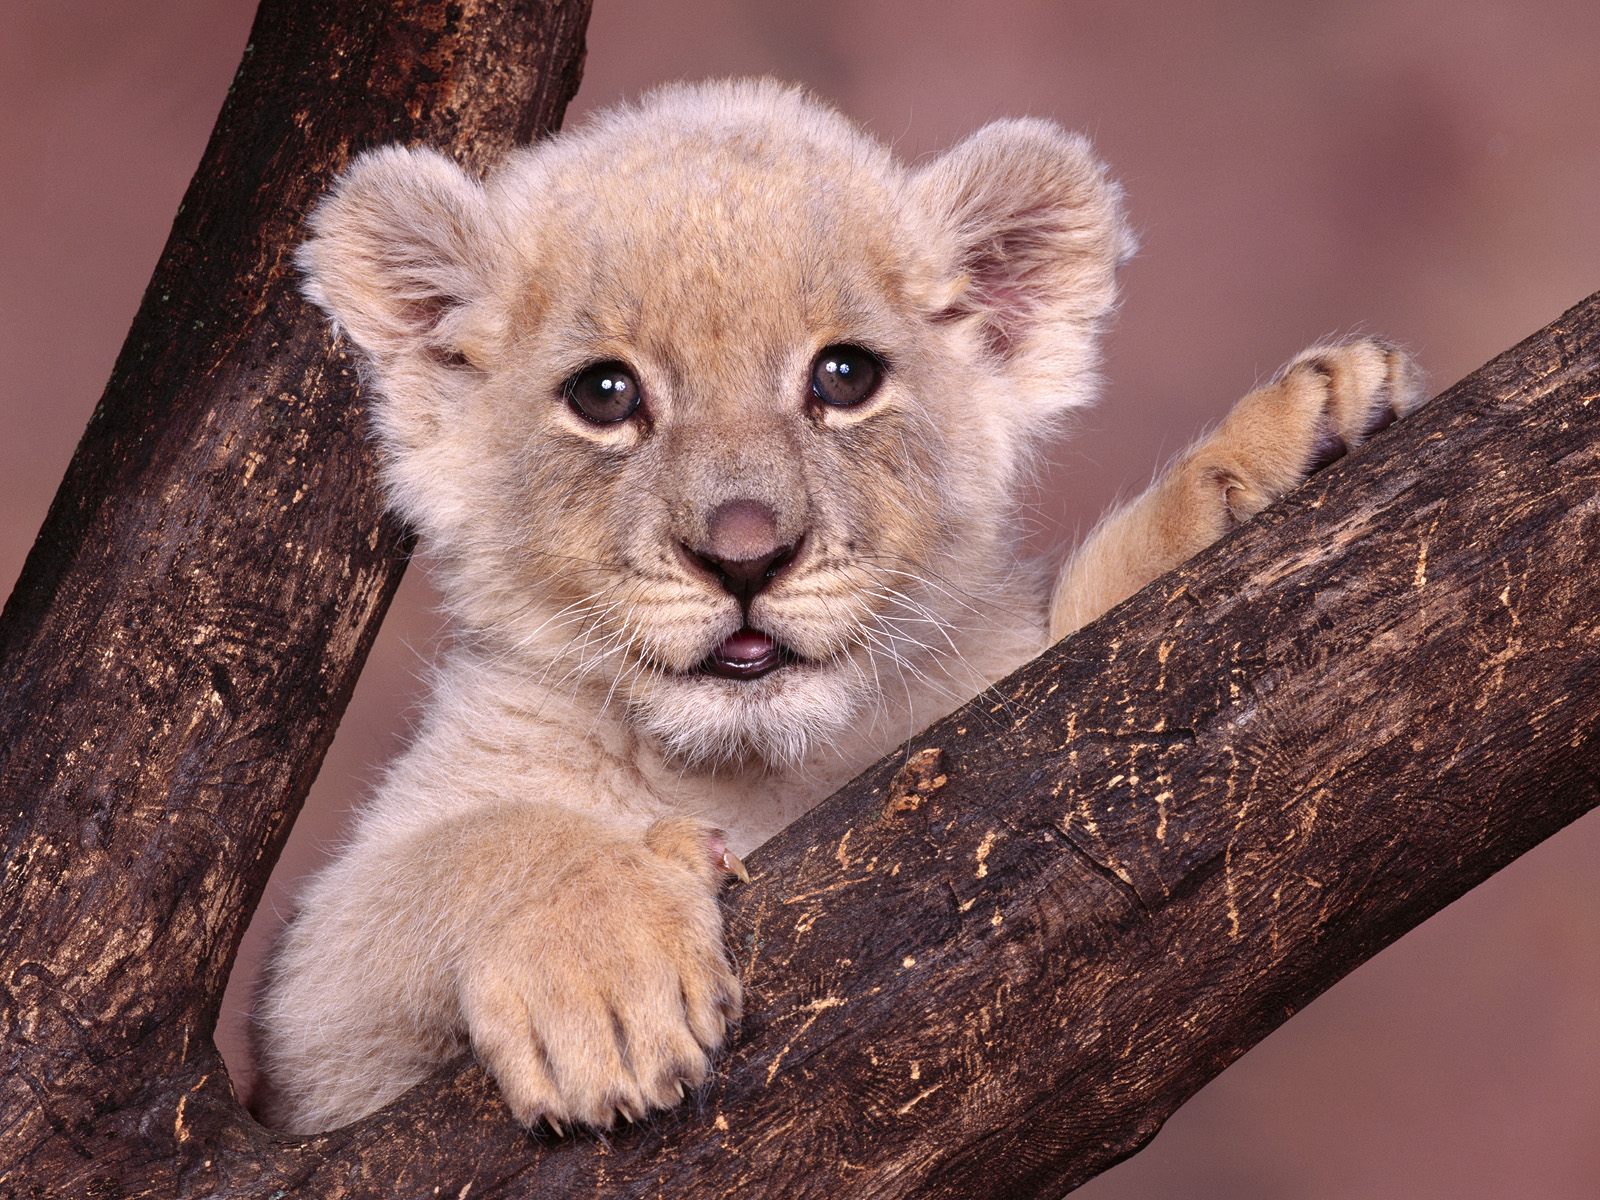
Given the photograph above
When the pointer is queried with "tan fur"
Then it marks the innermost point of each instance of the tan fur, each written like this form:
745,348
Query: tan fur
536,876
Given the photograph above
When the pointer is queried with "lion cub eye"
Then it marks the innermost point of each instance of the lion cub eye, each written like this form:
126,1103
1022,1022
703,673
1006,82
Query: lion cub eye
604,393
843,376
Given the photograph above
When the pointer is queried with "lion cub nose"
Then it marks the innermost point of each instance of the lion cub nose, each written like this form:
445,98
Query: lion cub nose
742,548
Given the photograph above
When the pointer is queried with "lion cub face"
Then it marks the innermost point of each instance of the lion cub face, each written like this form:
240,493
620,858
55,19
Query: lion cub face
710,407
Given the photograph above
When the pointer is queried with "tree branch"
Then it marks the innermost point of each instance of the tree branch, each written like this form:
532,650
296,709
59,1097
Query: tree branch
994,964
991,966
189,625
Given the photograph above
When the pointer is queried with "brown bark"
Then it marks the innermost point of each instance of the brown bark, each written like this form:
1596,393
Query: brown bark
991,966
189,625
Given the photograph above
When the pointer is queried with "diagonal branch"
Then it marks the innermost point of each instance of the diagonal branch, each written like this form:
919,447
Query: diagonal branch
994,964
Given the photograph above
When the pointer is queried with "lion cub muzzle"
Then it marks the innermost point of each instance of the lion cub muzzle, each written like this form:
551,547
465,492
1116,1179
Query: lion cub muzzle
744,552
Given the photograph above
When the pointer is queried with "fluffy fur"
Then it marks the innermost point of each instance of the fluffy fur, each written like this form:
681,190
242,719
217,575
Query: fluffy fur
536,876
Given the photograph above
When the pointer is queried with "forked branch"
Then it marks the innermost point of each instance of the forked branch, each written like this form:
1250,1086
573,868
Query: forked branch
989,967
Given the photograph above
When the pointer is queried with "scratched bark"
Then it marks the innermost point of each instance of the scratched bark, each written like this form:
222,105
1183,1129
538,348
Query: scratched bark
990,967
190,623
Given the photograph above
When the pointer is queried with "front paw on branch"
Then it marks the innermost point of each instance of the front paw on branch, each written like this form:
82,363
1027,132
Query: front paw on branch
608,1001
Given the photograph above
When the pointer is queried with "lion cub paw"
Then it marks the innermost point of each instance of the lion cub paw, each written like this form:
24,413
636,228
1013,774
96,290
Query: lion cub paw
608,1001
1324,404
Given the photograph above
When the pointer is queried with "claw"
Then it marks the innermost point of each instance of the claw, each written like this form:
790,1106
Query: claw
623,1113
556,1126
683,1089
734,865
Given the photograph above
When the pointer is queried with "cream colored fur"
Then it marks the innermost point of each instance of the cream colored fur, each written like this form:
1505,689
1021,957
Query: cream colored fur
537,875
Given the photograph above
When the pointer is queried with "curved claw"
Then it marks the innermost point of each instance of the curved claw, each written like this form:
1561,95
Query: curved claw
734,865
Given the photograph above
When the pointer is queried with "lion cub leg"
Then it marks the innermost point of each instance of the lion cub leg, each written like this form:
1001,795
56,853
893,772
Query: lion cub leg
1325,403
583,962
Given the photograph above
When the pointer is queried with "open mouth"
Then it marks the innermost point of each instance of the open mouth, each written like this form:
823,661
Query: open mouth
746,654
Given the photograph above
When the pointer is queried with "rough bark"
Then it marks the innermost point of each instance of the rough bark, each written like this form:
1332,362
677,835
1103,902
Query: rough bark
991,966
188,627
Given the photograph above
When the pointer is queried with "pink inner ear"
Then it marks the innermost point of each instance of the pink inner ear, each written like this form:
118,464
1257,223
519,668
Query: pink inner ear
1006,305
423,315
1010,268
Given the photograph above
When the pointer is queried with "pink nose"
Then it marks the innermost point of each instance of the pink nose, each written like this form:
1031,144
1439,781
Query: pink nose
742,548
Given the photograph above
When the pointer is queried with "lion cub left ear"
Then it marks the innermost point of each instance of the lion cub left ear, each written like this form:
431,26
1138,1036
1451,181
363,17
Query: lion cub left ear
398,250
1036,231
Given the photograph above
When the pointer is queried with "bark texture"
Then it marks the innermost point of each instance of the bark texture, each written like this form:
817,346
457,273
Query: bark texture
189,625
989,967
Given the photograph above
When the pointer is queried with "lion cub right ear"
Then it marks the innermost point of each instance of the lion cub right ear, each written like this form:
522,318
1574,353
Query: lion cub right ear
398,250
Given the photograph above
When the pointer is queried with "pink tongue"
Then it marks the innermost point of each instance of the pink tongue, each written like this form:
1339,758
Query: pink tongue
746,646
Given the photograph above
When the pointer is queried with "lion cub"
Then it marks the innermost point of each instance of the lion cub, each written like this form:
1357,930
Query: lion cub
712,416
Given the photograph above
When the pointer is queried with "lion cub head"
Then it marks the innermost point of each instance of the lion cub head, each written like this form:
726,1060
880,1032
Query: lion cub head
711,408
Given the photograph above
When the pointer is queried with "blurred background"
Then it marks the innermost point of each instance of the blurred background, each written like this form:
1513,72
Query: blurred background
1428,170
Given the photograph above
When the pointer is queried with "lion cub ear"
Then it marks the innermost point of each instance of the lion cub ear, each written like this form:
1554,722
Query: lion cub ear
397,250
1037,231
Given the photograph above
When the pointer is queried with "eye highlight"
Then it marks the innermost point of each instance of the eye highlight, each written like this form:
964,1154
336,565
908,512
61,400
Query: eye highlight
603,393
843,376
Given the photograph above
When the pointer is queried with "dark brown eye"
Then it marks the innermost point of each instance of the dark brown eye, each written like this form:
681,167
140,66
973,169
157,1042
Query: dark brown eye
604,393
843,376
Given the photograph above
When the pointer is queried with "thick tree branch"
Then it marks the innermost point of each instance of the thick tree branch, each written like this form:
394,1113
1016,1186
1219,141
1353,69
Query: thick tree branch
991,966
189,625
994,964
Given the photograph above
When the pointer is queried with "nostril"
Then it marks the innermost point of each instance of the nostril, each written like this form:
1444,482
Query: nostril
696,561
781,560
744,577
752,572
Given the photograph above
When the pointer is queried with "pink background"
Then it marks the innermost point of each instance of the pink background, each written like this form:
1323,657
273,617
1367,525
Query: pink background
1429,170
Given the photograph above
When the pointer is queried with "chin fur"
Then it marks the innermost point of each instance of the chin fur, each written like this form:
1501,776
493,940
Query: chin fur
777,719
